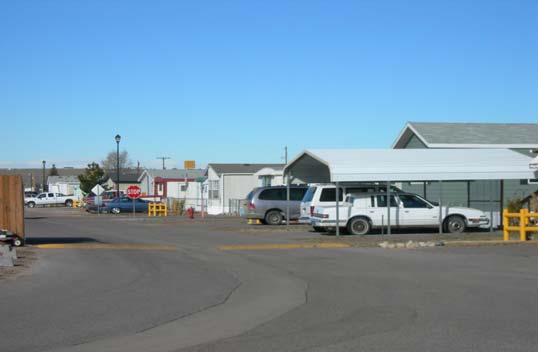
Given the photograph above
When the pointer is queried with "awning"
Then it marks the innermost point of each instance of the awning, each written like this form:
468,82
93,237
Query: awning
367,165
534,163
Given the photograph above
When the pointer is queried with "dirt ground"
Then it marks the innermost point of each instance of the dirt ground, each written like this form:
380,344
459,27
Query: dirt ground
26,257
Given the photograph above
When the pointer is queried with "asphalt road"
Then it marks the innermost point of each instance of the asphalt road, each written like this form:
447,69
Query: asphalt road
199,298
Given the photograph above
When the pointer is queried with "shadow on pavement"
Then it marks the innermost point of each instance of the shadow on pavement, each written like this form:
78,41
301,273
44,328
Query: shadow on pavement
59,240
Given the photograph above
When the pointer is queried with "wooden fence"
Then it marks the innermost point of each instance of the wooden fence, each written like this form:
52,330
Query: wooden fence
12,204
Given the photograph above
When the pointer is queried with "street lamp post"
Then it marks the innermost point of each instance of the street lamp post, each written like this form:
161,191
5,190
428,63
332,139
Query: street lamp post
118,139
43,185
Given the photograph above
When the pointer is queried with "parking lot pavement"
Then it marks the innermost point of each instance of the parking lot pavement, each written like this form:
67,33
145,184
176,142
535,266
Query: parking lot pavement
102,297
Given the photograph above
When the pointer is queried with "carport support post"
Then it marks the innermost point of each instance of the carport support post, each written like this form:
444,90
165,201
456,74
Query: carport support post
288,201
440,207
492,189
388,208
337,209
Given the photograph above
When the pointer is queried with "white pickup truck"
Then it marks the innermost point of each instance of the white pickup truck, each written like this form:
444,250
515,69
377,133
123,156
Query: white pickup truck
49,198
362,212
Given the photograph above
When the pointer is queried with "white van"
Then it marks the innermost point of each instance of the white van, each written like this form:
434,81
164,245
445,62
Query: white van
324,195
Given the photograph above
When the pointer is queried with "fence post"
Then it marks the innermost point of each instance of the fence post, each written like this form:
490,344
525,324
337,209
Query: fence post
522,227
506,224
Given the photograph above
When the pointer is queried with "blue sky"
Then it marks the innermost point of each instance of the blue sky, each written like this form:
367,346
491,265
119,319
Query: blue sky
236,81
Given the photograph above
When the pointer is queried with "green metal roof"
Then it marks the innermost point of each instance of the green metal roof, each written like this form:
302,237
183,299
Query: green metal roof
470,135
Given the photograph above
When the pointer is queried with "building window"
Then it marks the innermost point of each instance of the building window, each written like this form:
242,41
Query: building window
160,187
266,181
214,189
183,188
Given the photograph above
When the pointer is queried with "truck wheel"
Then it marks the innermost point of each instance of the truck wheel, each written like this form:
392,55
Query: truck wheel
69,203
17,242
115,210
359,226
273,217
31,205
455,224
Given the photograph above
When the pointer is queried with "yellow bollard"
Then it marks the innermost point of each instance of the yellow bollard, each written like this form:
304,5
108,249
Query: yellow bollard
523,225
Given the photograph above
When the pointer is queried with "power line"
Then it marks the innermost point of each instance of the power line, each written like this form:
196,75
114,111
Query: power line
163,158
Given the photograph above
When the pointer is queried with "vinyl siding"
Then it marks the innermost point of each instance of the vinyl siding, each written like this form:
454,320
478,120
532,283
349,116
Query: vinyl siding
514,189
415,143
454,192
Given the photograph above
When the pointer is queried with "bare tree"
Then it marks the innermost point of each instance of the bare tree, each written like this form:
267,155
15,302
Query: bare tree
109,163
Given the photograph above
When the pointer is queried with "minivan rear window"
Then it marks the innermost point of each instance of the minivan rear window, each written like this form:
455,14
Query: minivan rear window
273,194
309,195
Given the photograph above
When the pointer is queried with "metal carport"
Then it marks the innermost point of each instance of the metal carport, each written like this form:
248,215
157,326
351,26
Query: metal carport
400,165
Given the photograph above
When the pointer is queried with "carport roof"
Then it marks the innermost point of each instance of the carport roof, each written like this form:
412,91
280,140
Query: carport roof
370,165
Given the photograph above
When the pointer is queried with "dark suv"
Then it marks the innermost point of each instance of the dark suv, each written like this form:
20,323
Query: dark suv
269,204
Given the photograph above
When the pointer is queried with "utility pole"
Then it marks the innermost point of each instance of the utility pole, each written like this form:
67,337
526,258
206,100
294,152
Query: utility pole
163,158
44,163
286,155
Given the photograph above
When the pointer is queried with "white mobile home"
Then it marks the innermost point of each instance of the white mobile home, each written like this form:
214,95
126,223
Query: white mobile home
228,184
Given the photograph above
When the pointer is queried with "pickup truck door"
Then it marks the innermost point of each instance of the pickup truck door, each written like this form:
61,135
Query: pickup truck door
41,198
378,211
417,212
51,199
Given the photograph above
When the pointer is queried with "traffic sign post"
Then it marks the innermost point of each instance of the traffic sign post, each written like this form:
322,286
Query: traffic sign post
98,190
134,193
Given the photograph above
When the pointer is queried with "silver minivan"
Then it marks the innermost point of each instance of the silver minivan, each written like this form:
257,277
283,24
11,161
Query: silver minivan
268,204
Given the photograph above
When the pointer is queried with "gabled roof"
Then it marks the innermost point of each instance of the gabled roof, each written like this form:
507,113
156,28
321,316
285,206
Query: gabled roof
37,173
126,176
270,171
241,168
470,135
63,179
175,173
365,165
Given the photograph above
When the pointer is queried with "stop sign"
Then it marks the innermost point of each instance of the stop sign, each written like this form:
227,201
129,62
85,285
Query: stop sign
133,192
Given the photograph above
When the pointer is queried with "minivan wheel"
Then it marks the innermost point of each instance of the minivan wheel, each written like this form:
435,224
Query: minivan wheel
359,226
273,217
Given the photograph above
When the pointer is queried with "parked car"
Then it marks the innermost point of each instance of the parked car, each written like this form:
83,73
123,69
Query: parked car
104,197
124,204
324,195
268,204
49,198
360,213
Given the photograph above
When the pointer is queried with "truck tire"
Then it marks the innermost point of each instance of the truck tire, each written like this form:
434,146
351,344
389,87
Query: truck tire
359,226
69,203
273,217
455,224
31,204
